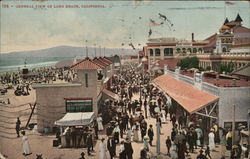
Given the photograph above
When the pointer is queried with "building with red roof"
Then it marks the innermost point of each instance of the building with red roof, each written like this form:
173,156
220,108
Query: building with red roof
85,93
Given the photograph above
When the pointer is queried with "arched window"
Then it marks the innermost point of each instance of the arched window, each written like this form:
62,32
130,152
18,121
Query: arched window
151,52
166,52
178,50
189,50
194,50
224,49
184,50
157,52
200,50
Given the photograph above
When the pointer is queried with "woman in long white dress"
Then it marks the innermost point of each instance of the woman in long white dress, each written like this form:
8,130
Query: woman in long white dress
173,151
136,133
102,149
26,146
163,116
211,140
99,123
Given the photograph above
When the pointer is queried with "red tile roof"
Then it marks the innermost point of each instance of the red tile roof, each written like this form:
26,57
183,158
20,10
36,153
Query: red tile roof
106,60
190,98
99,62
86,64
172,63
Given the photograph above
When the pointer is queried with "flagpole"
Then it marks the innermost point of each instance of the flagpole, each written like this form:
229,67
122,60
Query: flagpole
225,10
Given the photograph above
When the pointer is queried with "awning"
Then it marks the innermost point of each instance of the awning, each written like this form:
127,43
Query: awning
110,94
76,119
190,98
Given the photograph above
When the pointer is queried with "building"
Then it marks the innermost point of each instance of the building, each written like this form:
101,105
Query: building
209,97
230,44
94,77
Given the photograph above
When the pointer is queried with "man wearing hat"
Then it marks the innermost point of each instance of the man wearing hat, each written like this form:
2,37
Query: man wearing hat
111,146
150,134
128,149
201,156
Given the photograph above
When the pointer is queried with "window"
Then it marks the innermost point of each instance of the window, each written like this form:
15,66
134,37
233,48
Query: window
157,52
168,52
189,50
194,50
78,105
178,50
86,80
184,50
151,52
224,49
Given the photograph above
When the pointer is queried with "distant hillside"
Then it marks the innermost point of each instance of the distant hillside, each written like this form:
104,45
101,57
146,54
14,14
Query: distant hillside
68,51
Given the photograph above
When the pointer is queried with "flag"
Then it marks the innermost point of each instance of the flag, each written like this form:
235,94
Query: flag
153,23
229,3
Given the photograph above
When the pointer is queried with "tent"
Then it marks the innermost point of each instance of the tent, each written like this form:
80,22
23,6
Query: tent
76,119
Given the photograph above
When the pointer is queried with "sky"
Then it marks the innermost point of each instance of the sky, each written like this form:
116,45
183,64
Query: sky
116,25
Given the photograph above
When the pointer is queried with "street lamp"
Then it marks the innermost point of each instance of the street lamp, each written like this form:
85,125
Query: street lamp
158,141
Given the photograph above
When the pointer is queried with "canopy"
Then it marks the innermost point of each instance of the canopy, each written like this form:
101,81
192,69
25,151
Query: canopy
190,98
110,94
76,119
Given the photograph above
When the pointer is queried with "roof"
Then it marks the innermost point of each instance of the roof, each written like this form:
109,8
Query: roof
110,94
190,98
76,119
56,85
224,27
222,81
106,60
115,59
238,18
100,62
86,64
171,63
243,71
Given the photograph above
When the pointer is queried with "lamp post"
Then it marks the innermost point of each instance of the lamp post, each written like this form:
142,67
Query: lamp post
158,129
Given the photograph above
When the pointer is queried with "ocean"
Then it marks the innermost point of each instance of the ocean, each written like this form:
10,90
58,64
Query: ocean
13,64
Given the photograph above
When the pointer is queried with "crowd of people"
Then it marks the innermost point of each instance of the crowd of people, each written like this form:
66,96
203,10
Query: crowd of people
129,119
21,81
126,122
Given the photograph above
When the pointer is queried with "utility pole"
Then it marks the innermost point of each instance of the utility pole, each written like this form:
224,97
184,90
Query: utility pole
95,49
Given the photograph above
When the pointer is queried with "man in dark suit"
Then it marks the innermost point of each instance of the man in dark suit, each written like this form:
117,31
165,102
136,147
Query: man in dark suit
150,134
89,142
128,149
111,147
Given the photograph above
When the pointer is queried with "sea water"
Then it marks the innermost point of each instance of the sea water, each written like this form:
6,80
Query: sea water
13,64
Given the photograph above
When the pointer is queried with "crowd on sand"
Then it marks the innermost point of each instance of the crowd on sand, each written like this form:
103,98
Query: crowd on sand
21,81
125,122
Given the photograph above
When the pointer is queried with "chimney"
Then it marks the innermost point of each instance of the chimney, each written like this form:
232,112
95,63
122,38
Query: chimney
192,37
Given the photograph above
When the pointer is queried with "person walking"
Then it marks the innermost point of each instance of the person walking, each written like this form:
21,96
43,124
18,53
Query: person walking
26,145
136,133
128,149
201,156
150,134
111,147
102,149
211,140
173,151
122,154
223,144
207,152
89,143
99,122
168,144
18,123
